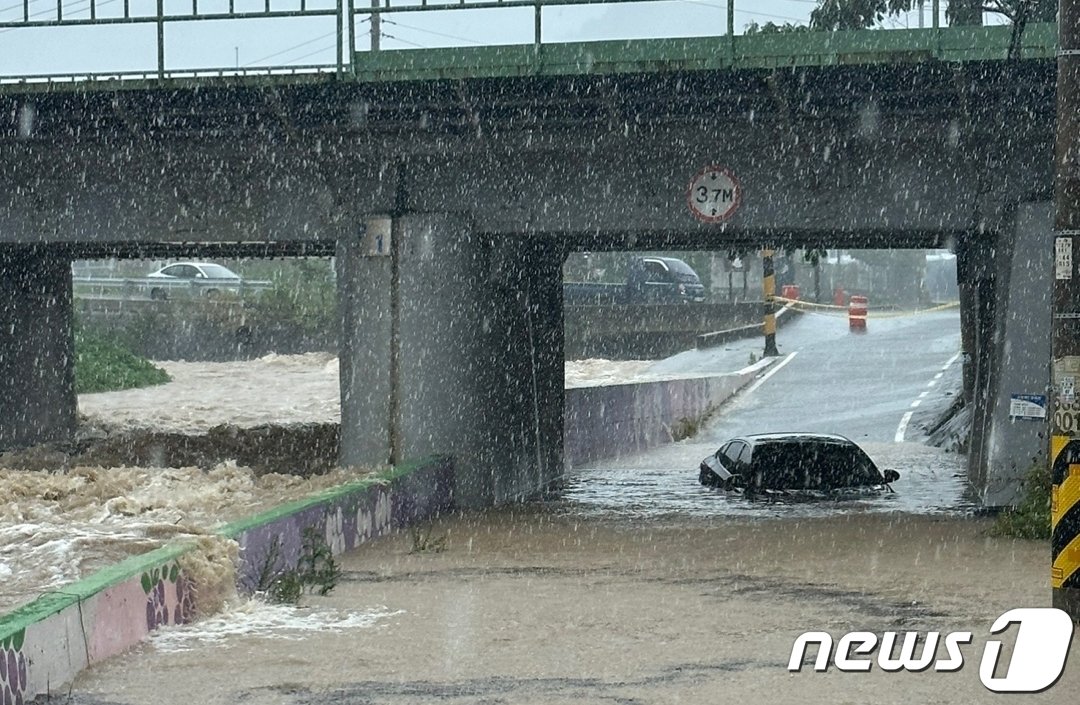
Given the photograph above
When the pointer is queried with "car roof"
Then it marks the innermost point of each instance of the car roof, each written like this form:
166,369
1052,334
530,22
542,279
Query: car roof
794,437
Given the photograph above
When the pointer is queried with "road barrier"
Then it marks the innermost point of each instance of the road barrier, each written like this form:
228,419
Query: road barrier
857,309
836,311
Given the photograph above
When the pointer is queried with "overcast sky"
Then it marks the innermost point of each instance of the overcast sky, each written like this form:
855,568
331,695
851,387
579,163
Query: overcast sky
248,43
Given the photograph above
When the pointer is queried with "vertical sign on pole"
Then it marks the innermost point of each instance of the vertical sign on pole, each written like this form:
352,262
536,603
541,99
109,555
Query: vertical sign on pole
1064,451
768,283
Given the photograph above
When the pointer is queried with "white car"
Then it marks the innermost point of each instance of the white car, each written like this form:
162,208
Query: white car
205,278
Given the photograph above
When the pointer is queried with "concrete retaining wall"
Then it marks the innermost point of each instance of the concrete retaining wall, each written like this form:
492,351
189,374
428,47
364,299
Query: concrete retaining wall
46,643
609,421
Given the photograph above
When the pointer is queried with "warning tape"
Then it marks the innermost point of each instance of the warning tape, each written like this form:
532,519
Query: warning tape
843,310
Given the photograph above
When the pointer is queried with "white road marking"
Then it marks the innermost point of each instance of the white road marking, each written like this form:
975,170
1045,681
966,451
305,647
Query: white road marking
906,418
902,428
776,368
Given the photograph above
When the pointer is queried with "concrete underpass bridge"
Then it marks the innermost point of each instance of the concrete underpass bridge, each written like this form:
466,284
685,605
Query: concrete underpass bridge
451,184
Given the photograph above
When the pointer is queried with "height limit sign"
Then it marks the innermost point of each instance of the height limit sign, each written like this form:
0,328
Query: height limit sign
714,194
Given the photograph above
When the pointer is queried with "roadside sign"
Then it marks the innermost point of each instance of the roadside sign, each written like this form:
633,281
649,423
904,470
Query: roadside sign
1063,258
714,194
1027,406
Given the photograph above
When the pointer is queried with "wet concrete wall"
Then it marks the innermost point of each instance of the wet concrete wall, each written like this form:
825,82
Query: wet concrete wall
452,343
37,356
648,331
1006,446
622,419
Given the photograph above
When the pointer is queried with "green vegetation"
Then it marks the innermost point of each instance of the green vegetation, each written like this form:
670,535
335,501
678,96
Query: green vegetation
103,365
304,295
315,572
424,542
831,15
1031,518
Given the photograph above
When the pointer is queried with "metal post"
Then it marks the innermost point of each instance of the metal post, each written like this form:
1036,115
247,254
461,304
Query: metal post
937,14
731,28
161,38
537,27
1064,452
768,285
350,60
376,27
340,36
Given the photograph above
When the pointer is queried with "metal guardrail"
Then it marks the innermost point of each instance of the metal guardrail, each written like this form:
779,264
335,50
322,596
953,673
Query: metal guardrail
144,288
343,12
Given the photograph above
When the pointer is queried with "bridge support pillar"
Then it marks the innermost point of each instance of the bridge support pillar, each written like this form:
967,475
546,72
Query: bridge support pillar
1012,326
37,356
452,343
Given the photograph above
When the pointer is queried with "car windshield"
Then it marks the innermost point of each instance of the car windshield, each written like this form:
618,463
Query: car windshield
216,271
682,271
813,465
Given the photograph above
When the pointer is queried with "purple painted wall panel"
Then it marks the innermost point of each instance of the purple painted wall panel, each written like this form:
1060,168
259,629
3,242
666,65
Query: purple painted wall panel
346,521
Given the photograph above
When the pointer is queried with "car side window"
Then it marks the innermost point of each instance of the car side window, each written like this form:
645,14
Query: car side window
744,455
183,271
731,455
656,272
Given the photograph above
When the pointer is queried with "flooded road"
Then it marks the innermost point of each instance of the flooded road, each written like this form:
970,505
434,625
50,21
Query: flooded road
828,380
536,605
664,482
635,585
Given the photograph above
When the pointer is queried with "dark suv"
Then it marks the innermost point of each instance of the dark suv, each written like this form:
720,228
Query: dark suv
662,280
784,462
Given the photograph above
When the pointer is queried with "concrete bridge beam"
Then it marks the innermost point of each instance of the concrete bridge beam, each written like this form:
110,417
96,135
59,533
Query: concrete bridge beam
37,356
452,343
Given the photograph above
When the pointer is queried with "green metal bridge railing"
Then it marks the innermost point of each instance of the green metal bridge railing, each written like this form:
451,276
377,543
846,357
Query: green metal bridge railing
343,12
727,51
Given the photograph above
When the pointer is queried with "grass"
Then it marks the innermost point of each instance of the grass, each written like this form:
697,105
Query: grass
103,365
316,571
1031,518
424,542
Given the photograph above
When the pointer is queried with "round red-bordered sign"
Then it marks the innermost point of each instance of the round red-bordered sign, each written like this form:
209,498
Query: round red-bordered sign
714,194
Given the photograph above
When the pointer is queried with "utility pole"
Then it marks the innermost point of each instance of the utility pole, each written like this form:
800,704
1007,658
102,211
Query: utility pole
376,29
1064,451
768,285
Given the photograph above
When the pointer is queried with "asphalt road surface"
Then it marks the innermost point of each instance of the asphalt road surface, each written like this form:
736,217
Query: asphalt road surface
868,386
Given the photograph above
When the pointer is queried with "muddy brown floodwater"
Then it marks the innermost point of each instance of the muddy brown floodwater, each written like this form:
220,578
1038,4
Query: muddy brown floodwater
535,604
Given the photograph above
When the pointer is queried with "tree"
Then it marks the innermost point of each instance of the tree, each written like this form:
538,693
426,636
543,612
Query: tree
855,14
773,28
863,14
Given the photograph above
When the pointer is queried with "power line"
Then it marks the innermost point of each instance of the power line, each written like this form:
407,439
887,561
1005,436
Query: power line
715,6
431,31
317,51
403,41
284,51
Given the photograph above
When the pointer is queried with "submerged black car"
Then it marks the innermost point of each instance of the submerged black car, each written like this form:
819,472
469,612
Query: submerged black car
786,462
